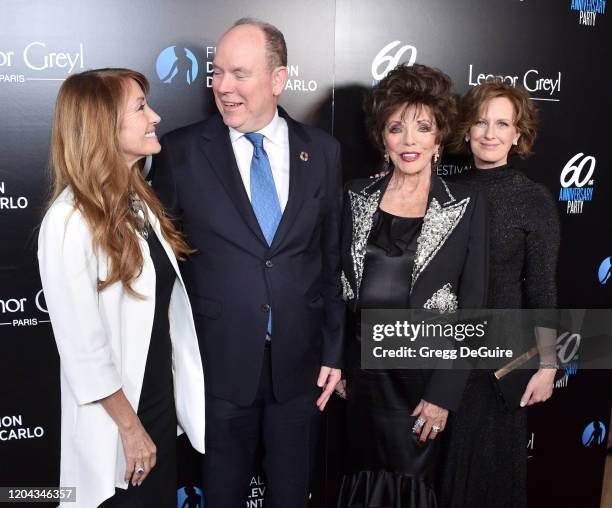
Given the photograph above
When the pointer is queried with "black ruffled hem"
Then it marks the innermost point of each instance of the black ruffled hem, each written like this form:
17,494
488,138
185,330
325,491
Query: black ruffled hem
383,489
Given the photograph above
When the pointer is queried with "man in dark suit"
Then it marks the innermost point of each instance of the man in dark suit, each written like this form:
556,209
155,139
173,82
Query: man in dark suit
258,195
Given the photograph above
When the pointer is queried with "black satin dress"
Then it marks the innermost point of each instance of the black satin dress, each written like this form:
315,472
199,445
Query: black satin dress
156,408
388,468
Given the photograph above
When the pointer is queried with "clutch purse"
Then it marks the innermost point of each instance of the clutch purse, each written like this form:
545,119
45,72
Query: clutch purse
511,380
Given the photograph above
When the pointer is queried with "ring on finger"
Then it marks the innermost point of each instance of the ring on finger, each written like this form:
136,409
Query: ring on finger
435,428
140,470
418,424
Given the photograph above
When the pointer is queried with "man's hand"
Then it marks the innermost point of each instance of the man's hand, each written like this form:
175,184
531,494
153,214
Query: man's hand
328,379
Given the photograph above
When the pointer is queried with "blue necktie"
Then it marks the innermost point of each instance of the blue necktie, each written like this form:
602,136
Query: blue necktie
264,198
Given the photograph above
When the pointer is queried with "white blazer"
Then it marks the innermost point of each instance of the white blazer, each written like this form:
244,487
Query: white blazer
103,339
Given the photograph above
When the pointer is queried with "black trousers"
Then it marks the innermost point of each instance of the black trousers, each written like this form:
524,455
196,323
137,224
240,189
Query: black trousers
287,432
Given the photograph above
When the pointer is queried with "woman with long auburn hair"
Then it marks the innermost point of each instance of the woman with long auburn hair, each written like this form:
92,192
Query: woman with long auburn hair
130,363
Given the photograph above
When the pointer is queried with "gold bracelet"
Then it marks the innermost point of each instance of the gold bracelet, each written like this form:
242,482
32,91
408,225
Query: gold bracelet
544,365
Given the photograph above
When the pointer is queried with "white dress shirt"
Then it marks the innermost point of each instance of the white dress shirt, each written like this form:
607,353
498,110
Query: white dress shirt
276,145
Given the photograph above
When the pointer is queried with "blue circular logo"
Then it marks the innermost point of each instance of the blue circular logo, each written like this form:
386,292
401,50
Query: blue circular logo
593,434
605,269
190,497
176,63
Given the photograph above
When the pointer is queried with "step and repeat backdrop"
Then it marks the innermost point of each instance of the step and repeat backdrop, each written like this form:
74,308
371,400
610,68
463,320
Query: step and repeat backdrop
560,51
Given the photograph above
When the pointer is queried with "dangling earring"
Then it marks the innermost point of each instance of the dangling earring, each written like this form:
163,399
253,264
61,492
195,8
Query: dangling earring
436,157
387,159
467,138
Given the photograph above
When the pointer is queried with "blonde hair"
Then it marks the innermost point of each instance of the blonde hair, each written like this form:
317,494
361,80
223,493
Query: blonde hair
86,156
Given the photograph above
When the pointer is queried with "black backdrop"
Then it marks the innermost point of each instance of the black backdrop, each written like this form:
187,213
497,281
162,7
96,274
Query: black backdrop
337,49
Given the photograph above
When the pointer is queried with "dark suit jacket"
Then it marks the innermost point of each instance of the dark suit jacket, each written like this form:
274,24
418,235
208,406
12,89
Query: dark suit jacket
451,262
235,277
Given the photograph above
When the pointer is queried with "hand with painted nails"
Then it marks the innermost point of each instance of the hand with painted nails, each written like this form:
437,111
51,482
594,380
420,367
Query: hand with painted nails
430,422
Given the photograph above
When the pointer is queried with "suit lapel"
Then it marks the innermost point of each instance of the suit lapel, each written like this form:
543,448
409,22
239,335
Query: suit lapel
363,207
441,218
299,160
217,148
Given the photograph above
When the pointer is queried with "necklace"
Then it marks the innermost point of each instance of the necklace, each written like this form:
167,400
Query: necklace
139,212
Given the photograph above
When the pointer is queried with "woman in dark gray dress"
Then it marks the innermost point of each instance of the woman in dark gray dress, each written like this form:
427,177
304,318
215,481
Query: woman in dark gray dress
487,460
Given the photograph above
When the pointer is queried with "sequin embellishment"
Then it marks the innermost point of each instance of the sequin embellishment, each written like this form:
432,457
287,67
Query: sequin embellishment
443,300
451,198
363,209
438,224
347,291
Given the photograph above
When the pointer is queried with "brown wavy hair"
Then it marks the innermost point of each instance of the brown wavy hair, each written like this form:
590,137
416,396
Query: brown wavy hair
418,85
85,156
472,102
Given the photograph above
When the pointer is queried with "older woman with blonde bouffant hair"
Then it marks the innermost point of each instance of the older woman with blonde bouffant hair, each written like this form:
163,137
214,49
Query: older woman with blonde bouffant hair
130,364
487,460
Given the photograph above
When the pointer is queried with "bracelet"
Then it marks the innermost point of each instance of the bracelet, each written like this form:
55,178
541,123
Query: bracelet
544,365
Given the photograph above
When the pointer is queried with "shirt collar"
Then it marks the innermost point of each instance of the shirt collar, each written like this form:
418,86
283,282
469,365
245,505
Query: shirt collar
273,132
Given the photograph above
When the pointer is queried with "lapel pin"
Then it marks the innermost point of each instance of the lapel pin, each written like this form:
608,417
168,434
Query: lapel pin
304,156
